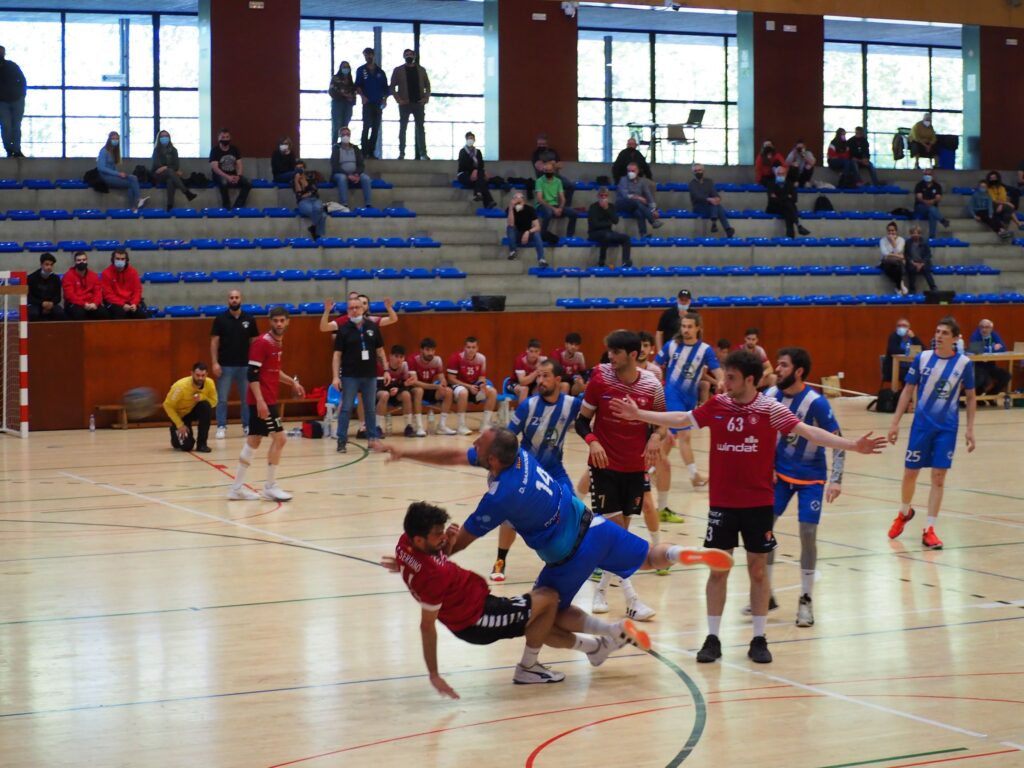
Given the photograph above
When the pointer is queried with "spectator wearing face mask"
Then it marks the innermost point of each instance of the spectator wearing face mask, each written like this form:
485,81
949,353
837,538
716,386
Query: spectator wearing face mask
282,162
672,318
411,88
840,161
372,87
543,156
12,103
923,140
927,196
106,163
635,196
523,228
919,260
167,169
980,207
552,203
348,169
630,155
122,289
801,158
899,343
343,98
307,200
471,173
782,200
765,162
707,202
601,221
226,165
894,261
44,291
83,291
860,153
989,377
1003,211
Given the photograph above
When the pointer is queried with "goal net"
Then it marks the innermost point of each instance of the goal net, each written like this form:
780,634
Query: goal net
14,353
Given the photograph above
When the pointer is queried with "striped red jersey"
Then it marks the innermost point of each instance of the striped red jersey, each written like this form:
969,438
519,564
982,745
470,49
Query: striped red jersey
624,441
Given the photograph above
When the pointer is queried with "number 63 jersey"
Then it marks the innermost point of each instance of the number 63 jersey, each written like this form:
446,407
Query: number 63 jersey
743,441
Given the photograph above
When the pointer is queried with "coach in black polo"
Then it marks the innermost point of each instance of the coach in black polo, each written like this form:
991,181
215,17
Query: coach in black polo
672,318
232,332
358,347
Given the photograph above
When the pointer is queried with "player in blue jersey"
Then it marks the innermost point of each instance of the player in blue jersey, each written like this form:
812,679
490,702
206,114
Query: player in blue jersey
543,421
937,375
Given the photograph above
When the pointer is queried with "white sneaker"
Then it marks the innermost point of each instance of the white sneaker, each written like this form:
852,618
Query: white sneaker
600,602
637,611
242,494
804,613
538,673
444,429
421,432
463,430
222,432
273,493
605,649
333,207
141,203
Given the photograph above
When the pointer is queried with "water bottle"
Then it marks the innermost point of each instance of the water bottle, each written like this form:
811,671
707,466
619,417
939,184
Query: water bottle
1007,401
92,422
295,432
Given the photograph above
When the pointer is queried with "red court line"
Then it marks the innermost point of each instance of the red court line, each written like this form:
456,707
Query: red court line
223,470
950,759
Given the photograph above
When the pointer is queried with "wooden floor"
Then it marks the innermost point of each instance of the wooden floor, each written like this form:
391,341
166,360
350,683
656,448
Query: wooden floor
145,621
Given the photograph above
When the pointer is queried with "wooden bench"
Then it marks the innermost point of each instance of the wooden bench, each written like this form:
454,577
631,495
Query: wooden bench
120,412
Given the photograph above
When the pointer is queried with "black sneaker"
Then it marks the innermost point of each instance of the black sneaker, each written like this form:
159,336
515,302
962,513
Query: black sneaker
203,449
342,448
409,431
711,650
542,263
729,231
759,652
512,254
714,227
627,265
361,434
803,230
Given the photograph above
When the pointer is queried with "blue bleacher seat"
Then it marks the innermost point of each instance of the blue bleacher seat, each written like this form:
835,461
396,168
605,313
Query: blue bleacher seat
323,274
39,184
262,184
311,307
417,273
73,245
356,274
301,242
218,213
88,213
207,243
765,301
381,184
253,309
363,242
39,246
601,302
177,310
387,273
392,242
491,213
6,246
845,299
122,213
377,307
400,213
174,245
279,212
186,213
55,214
22,215
333,242
423,242
159,277
449,273
630,302
604,272
573,303
154,213
106,245
292,309
411,306
195,276
268,242
444,306
211,310
259,275
292,275
10,184
248,213
369,212
140,244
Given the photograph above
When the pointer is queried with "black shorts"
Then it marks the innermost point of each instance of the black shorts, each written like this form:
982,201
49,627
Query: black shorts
755,523
503,618
512,382
612,492
396,400
265,427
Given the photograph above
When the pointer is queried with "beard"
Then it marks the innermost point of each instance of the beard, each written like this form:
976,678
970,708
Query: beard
787,382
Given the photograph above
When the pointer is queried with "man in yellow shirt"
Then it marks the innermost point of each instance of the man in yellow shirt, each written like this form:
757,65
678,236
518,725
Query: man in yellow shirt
192,398
923,140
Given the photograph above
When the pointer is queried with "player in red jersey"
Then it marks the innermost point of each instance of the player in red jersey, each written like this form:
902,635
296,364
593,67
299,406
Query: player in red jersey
573,364
461,600
265,376
744,428
428,370
523,381
467,376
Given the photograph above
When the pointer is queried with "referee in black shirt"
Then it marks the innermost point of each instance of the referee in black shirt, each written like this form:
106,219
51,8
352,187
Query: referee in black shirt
230,337
358,347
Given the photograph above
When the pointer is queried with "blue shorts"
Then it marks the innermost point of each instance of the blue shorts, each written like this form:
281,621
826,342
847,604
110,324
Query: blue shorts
930,448
676,402
607,546
809,499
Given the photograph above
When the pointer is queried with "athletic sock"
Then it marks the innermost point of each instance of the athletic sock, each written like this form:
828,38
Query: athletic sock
408,419
244,459
628,590
595,626
806,582
271,472
932,520
462,419
760,623
443,421
586,643
674,553
662,499
488,416
655,537
419,421
714,625
692,469
904,509
606,579
529,656
502,553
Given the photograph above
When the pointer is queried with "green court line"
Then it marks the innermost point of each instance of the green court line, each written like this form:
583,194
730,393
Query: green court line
896,757
700,711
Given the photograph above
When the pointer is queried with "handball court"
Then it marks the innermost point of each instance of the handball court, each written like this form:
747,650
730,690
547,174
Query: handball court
146,621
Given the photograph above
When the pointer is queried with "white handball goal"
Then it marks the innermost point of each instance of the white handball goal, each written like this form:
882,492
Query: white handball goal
14,353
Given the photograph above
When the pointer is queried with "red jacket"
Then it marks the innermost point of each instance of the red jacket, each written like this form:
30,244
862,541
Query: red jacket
763,167
81,289
121,286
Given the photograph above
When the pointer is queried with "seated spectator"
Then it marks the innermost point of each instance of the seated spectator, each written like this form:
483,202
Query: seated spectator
191,399
44,291
918,260
893,263
523,228
982,208
1003,212
122,289
923,140
801,158
574,365
707,202
401,392
751,337
348,169
648,352
428,370
307,200
552,204
523,382
782,196
166,169
635,196
601,220
227,168
106,163
899,343
467,376
543,156
630,155
860,153
766,162
841,161
990,378
83,293
282,162
471,173
927,196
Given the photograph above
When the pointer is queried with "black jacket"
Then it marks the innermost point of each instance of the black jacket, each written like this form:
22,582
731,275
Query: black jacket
12,81
466,161
336,159
626,157
42,289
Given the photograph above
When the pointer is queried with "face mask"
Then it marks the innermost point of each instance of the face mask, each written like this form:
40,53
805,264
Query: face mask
603,199
225,142
357,320
518,207
992,181
682,307
926,123
470,142
927,179
699,175
780,178
409,59
283,147
901,331
81,266
986,335
165,140
346,70
47,269
631,175
120,263
114,142
345,139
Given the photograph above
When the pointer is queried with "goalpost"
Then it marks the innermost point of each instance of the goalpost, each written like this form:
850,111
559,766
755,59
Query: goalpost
14,353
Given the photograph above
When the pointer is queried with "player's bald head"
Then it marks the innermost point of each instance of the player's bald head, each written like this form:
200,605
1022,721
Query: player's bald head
504,446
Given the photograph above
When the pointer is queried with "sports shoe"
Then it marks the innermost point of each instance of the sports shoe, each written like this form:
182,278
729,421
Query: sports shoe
498,570
772,605
633,635
710,651
758,651
606,646
242,494
662,571
596,575
273,493
221,433
409,431
203,449
542,263
537,673
463,430
715,559
666,515
638,611
804,614
699,480
600,604
143,200
899,523
342,448
421,432
444,429
929,540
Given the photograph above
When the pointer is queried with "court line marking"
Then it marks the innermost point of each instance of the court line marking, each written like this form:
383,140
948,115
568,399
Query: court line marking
950,759
896,757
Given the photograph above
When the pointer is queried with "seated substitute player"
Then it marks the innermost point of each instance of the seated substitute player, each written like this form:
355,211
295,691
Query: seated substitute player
401,393
428,371
461,601
574,366
523,381
467,376
750,343
192,398
744,425
938,375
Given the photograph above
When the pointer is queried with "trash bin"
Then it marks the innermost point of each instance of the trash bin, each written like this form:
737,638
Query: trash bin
948,145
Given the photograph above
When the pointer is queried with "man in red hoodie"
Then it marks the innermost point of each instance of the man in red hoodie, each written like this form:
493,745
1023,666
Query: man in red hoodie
122,289
83,296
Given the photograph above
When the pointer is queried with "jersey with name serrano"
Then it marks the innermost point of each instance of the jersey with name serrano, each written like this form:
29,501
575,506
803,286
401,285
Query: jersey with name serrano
938,381
743,448
624,441
683,366
265,353
573,364
438,584
540,510
427,371
544,426
469,371
796,457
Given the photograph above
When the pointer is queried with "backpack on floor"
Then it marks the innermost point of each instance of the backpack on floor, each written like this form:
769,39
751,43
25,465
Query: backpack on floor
822,204
313,429
885,402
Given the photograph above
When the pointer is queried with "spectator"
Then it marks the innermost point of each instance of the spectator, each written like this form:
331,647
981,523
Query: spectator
574,365
226,165
467,376
860,153
106,163
232,332
83,293
672,318
707,202
635,196
1003,212
918,260
343,98
601,220
282,162
927,196
989,377
348,169
523,381
307,200
751,337
801,158
523,228
122,289
630,155
192,398
923,141
12,103
765,162
411,88
471,173
167,169
982,208
782,200
841,161
358,348
428,368
552,203
893,263
542,157
44,291
372,87
899,343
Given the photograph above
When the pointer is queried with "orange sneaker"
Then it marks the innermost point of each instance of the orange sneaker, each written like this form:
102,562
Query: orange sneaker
715,559
929,540
636,636
899,523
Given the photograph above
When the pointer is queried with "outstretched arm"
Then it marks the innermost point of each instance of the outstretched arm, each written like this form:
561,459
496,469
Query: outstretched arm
428,633
440,456
818,436
628,409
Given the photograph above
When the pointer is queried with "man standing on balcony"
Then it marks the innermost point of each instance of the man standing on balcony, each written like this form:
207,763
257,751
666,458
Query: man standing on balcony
411,88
